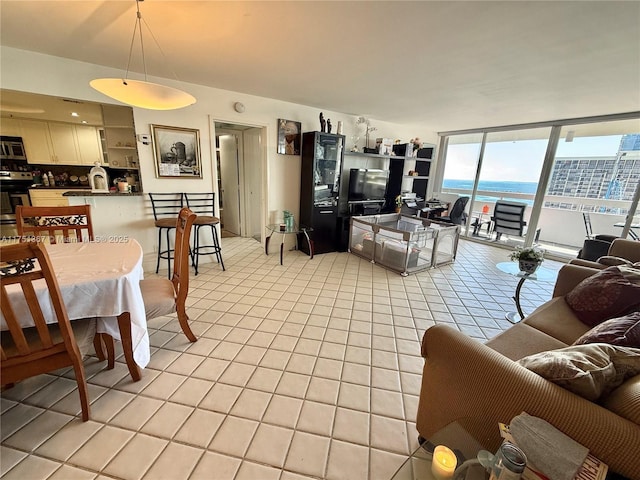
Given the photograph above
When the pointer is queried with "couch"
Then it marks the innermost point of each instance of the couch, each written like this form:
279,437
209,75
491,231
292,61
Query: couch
620,248
479,385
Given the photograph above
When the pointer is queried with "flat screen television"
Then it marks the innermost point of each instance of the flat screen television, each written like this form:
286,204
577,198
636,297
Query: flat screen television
367,184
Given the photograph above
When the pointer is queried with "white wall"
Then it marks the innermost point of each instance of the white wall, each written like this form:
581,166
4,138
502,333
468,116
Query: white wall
37,73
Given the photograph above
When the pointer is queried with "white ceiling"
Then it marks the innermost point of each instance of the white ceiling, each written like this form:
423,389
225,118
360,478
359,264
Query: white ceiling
442,65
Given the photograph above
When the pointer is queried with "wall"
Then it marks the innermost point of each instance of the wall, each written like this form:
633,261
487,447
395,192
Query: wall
37,73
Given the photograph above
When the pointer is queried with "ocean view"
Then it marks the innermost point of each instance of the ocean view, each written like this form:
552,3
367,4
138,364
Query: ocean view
493,186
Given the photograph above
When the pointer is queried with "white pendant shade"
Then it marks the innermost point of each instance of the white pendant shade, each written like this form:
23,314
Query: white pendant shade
143,94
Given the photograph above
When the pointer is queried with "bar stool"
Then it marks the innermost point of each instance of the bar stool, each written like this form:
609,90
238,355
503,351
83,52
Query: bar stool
166,208
203,205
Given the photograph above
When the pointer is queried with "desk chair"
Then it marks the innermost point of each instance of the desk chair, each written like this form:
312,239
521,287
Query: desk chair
457,215
44,347
166,207
72,223
595,245
203,204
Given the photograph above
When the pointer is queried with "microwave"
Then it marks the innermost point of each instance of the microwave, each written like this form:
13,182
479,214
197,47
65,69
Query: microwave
12,148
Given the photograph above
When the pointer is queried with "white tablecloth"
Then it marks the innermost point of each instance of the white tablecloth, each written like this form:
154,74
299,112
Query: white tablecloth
100,279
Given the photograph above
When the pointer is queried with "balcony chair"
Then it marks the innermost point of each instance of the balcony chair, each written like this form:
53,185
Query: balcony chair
457,214
508,217
203,204
72,223
29,351
166,207
595,245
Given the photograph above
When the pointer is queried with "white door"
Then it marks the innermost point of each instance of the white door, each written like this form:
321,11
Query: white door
253,182
230,183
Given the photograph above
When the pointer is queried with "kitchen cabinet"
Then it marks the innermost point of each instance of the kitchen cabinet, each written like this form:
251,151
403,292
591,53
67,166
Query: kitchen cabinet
120,137
50,197
10,127
322,155
59,143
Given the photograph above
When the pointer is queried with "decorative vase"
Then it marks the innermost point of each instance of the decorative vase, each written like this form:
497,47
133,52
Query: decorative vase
528,266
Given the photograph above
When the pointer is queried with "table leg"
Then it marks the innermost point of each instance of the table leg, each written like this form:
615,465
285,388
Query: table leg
266,244
124,324
511,316
309,243
282,248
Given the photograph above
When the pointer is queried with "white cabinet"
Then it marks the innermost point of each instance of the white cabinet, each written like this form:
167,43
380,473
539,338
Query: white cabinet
48,198
10,127
120,137
60,143
89,147
37,141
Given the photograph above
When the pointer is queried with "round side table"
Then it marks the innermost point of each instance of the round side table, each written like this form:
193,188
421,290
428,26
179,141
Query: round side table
512,268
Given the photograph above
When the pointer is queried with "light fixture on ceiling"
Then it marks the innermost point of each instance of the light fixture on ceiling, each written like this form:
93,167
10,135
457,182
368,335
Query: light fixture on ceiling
152,96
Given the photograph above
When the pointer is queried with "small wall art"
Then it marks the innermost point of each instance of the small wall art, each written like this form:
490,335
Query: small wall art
289,137
176,151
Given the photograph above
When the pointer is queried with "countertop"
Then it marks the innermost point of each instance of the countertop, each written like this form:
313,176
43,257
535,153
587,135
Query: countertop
89,193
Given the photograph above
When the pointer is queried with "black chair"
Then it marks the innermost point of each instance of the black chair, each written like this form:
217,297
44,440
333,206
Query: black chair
166,208
508,217
457,214
203,205
595,245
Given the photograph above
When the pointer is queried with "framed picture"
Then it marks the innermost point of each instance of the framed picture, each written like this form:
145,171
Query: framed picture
289,137
176,151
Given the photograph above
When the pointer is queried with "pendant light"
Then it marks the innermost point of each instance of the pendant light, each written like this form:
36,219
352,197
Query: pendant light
136,93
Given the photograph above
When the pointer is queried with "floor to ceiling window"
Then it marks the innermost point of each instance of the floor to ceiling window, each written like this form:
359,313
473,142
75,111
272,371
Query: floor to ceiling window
557,171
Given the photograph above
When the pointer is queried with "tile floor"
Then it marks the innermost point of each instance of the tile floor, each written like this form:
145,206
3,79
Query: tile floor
307,370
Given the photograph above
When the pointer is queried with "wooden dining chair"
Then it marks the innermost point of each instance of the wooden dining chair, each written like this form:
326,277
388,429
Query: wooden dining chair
162,296
69,223
31,350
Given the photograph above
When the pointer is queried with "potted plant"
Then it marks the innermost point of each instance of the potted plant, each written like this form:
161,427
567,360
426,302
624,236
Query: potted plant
398,203
528,258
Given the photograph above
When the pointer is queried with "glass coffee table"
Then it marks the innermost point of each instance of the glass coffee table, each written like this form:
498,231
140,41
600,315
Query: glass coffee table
455,437
284,230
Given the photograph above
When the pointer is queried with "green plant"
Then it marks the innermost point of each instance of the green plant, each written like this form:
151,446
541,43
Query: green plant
399,201
531,254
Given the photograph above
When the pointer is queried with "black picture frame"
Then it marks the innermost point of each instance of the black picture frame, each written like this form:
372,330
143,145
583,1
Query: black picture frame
176,152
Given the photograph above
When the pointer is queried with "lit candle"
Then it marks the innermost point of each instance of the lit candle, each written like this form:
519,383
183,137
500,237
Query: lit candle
444,462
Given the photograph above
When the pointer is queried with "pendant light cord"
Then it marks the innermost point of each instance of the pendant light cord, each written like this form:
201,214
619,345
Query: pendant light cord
138,28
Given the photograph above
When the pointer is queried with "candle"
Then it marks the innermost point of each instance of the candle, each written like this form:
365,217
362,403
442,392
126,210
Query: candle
444,462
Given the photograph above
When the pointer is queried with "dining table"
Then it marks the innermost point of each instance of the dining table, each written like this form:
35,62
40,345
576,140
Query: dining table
101,279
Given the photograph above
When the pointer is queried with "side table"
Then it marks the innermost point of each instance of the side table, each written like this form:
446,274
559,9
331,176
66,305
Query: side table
284,231
512,268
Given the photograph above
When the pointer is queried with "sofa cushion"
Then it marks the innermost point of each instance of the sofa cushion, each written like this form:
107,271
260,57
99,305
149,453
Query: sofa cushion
623,331
609,293
625,400
590,371
556,319
522,340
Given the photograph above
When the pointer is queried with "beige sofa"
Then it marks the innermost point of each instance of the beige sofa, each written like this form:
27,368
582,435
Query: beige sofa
479,385
620,248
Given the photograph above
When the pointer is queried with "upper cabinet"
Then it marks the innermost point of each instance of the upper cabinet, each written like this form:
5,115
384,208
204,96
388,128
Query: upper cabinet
119,137
60,143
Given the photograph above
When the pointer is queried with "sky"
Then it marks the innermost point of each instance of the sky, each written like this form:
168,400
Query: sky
520,160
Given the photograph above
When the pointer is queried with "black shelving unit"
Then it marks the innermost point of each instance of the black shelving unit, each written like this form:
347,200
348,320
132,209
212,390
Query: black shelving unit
322,157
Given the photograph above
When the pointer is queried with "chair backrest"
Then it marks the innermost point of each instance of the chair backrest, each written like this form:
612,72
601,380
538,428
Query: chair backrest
457,214
508,217
38,351
71,223
180,277
587,224
166,204
201,203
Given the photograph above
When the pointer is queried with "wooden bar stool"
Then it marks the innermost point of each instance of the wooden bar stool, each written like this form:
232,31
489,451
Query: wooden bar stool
203,205
166,208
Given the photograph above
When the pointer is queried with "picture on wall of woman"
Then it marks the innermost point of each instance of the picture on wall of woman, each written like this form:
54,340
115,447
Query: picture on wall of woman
289,137
176,151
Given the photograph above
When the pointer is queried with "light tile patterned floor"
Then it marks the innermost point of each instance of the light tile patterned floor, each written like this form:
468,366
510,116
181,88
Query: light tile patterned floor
307,370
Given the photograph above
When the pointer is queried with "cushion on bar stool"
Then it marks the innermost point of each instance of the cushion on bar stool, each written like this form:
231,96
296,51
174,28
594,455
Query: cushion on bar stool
203,204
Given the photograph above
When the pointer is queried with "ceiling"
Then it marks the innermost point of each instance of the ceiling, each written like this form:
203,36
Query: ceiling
447,65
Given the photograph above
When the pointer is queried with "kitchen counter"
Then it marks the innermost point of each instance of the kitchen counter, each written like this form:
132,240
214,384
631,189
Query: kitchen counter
67,187
89,193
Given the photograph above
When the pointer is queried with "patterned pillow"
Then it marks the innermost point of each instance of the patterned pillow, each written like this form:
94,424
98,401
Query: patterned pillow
610,293
591,371
622,331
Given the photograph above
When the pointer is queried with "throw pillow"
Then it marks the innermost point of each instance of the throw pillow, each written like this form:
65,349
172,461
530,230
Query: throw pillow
611,292
622,331
591,371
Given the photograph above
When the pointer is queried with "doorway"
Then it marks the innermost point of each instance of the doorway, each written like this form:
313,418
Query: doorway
240,179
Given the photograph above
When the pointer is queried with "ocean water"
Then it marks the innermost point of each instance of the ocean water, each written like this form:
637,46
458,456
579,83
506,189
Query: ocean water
494,186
